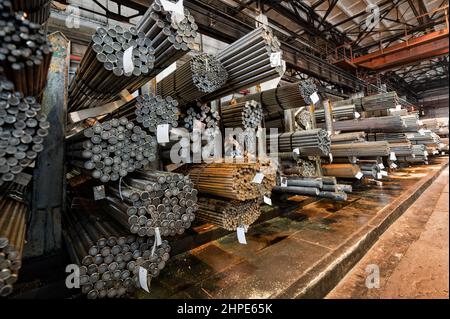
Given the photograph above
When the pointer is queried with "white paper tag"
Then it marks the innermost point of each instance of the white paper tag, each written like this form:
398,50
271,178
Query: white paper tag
176,8
393,165
314,98
267,200
128,64
357,115
143,278
158,237
241,235
393,157
296,151
275,59
162,133
379,176
331,158
381,166
420,122
442,153
359,175
435,152
284,182
422,132
258,178
398,107
99,192
425,153
384,173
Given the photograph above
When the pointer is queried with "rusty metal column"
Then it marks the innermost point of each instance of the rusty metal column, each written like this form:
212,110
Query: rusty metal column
48,184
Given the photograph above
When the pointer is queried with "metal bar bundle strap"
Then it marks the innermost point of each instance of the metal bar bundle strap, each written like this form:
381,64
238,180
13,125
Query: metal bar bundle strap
104,73
201,75
228,214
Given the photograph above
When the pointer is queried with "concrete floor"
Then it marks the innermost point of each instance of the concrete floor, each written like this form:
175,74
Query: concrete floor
412,255
301,254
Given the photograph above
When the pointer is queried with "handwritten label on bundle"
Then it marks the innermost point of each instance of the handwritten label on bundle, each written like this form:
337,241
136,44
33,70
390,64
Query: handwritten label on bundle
158,237
394,166
425,153
296,151
331,158
258,178
267,200
381,166
314,98
359,175
357,115
275,59
379,176
284,182
128,64
384,173
143,278
162,133
241,235
176,8
99,192
393,157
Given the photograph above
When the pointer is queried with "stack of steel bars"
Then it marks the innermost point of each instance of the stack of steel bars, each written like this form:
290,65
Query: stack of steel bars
228,214
12,235
107,69
150,199
171,37
419,155
411,123
309,143
25,52
324,187
382,101
386,124
232,181
390,137
346,138
365,149
202,113
249,61
339,113
247,114
110,150
370,168
109,259
341,170
149,111
201,75
38,11
22,131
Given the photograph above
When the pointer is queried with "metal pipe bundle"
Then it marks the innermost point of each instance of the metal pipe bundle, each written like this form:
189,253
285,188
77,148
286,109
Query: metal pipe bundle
228,214
233,181
386,124
201,75
419,155
38,11
246,114
370,168
170,38
103,72
112,149
390,137
202,113
341,170
25,52
366,149
345,138
310,142
411,123
426,138
382,101
250,61
339,113
22,131
13,217
109,259
401,149
324,187
151,199
149,111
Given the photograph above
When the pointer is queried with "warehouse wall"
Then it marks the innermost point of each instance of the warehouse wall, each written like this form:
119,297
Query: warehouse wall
435,103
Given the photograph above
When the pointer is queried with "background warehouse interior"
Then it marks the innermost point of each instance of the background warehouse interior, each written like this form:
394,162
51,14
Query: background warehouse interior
88,180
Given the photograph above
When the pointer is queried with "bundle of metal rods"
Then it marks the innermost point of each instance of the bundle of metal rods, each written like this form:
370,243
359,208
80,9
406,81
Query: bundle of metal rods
345,138
370,168
275,101
110,150
149,111
202,113
309,143
109,259
424,137
401,148
246,114
411,123
385,124
107,69
341,170
25,53
390,137
201,75
339,113
150,199
303,168
323,187
22,131
253,59
233,181
38,11
13,217
228,214
382,101
171,37
419,155
365,149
